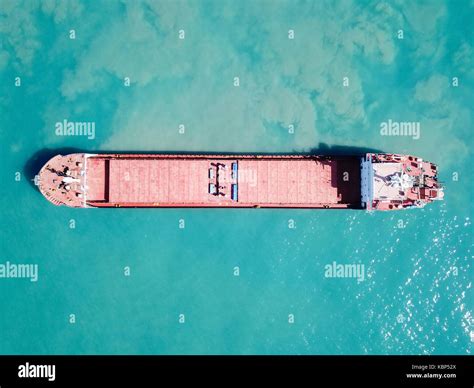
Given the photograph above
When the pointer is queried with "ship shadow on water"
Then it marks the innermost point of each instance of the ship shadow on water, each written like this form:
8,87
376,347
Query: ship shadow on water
340,150
39,158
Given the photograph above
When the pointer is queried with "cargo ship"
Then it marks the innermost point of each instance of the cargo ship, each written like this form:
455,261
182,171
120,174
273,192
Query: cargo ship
372,181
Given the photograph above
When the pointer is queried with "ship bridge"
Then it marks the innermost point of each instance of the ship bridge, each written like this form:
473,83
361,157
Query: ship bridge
391,181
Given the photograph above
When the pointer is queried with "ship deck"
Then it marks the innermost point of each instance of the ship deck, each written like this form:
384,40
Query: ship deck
230,181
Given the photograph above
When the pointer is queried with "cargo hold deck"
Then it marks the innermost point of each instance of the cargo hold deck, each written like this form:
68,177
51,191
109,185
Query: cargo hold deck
203,181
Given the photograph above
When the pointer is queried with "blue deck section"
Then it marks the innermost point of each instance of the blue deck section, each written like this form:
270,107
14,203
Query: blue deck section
235,192
235,171
367,177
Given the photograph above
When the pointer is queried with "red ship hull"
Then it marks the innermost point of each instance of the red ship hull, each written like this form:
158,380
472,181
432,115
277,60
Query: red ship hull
238,181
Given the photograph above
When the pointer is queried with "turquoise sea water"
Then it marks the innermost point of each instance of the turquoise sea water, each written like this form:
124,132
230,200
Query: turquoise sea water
417,294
